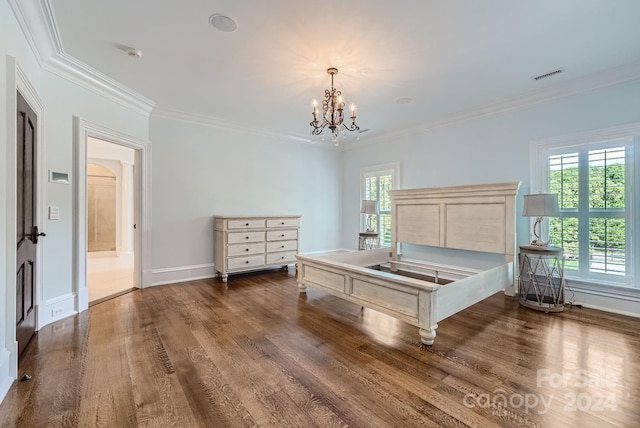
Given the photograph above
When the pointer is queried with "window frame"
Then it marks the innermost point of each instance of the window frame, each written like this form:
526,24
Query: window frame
627,136
391,168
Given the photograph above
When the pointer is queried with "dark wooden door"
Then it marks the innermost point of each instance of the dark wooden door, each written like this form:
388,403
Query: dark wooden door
27,230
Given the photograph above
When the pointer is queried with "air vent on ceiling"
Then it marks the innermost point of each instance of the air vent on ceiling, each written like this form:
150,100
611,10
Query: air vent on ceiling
549,74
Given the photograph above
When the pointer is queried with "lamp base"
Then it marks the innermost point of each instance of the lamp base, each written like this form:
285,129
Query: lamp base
537,241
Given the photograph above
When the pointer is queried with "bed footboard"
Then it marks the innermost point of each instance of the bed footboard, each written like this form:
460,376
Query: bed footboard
408,299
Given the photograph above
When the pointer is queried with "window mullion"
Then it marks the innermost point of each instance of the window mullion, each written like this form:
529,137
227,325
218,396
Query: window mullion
379,199
583,212
632,195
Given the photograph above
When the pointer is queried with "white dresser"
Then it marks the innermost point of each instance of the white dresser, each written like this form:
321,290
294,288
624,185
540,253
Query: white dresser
252,243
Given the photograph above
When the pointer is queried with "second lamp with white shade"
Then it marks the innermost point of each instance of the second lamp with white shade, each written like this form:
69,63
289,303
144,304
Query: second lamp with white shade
540,205
369,208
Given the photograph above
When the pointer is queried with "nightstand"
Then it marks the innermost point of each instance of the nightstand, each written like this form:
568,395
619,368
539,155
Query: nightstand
541,279
368,241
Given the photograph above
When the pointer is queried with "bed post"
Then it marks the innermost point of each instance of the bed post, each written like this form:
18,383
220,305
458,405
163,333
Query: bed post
427,317
394,237
510,240
302,288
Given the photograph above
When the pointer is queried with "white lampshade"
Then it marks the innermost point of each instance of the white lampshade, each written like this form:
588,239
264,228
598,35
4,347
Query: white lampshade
541,205
369,207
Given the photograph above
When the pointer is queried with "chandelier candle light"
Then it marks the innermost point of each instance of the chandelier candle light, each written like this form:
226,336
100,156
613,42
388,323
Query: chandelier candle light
332,113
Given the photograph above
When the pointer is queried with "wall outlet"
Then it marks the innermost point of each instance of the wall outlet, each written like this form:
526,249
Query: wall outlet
56,311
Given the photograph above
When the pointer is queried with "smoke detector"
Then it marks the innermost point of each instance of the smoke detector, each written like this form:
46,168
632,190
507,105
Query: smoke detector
134,53
223,23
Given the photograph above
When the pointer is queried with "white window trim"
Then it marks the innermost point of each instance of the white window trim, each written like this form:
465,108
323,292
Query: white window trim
540,149
381,169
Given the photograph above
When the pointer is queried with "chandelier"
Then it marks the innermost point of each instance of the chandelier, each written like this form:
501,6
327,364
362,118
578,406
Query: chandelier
332,113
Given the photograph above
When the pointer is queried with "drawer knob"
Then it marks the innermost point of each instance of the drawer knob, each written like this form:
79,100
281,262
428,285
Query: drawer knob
246,224
281,246
282,222
247,249
247,261
282,257
246,237
282,235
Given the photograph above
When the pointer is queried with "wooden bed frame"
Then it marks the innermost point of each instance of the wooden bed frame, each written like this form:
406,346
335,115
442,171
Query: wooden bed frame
474,217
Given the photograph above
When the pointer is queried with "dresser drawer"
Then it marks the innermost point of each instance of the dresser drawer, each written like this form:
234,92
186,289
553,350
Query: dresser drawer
282,222
239,237
282,246
245,262
249,223
282,235
241,249
286,257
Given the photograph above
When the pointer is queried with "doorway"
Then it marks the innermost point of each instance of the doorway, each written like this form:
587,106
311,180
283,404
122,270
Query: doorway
110,224
140,221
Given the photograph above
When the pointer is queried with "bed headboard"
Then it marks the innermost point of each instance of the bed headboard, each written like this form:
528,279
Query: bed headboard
477,217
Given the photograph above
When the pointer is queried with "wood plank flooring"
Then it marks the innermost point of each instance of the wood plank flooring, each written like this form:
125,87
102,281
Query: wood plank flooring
259,354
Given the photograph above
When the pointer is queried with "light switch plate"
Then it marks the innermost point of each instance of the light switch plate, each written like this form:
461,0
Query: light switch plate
54,213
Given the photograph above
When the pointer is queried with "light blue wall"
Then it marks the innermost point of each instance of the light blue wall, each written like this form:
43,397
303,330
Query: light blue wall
201,171
63,100
489,149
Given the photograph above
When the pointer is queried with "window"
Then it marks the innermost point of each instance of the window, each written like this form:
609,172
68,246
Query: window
593,180
375,183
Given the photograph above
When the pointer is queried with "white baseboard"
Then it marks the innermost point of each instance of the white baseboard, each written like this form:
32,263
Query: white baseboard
191,273
6,375
56,309
147,278
182,274
622,301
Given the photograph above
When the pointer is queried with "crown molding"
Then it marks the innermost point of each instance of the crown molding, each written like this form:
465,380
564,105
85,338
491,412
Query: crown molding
37,20
602,79
38,26
217,123
81,74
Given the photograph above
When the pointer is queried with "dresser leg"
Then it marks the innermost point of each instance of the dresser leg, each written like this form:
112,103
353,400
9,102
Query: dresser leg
302,288
224,277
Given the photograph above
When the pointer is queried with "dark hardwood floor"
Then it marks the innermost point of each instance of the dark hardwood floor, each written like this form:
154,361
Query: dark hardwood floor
258,354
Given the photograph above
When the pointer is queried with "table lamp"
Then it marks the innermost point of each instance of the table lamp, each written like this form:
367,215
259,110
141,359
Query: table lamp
369,208
540,205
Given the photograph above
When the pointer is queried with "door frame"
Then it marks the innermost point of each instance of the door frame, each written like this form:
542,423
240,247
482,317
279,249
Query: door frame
17,80
82,130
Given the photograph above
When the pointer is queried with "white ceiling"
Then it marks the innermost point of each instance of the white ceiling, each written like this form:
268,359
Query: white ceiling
447,56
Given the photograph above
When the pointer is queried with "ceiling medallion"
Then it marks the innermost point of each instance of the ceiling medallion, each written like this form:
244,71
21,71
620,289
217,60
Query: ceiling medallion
332,114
